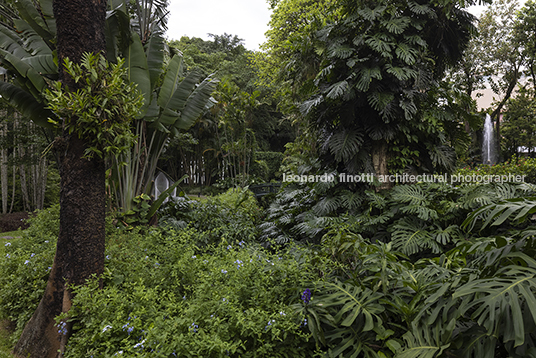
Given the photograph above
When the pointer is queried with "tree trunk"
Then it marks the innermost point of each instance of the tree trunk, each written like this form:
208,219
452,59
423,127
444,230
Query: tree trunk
379,160
80,248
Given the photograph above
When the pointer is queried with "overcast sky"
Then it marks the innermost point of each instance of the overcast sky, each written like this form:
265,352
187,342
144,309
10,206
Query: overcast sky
248,19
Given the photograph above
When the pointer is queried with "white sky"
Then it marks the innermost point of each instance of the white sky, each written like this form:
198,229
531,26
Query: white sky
248,19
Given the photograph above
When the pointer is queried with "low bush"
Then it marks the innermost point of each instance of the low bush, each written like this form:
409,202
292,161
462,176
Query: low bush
25,266
231,215
165,297
514,166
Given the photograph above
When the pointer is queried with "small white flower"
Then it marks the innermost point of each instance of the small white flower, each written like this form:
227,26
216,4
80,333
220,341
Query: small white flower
106,328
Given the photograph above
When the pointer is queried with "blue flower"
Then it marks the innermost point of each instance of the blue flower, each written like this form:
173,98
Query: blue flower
32,255
8,256
26,262
8,244
106,328
306,296
223,271
62,328
269,324
193,327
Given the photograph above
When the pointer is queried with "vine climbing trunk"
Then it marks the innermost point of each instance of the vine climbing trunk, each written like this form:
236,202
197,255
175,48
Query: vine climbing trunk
80,249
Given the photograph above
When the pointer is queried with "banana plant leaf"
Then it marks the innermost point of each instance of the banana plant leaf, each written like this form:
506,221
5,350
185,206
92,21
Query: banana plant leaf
27,104
138,72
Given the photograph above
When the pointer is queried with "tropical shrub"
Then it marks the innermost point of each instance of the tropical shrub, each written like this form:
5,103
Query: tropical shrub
165,297
421,219
267,165
515,166
231,215
476,300
25,266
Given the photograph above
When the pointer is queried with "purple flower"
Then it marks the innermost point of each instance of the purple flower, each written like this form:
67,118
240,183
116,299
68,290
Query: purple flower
306,296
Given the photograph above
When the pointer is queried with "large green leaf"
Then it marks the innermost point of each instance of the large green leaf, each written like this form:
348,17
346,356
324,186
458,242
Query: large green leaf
44,64
503,303
33,42
32,17
117,32
24,70
517,209
357,304
10,42
421,343
137,70
198,101
345,144
26,104
155,57
174,73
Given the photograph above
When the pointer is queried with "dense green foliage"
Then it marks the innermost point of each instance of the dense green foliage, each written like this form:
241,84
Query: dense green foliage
363,290
516,166
102,110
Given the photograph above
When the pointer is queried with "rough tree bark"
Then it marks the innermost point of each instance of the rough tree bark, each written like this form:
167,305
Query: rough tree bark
379,160
80,248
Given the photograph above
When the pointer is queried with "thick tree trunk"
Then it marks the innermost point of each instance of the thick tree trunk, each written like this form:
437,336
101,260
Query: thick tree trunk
80,248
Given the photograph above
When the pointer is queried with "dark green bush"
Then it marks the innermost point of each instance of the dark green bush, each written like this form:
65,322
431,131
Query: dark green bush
25,267
267,165
231,215
165,297
514,166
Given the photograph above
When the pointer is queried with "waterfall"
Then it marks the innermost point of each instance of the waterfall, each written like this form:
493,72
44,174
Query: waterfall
488,142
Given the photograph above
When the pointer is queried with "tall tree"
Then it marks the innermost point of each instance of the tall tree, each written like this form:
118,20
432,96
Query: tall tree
501,53
80,249
378,102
